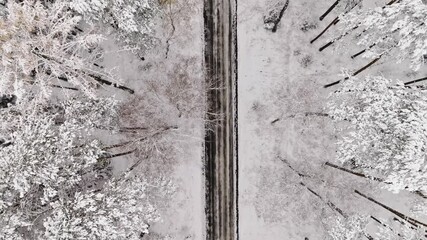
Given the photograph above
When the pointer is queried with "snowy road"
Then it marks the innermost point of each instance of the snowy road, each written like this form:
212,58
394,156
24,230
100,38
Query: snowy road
220,140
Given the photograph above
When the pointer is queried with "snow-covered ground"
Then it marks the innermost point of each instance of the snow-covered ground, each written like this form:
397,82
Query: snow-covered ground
179,63
169,93
281,78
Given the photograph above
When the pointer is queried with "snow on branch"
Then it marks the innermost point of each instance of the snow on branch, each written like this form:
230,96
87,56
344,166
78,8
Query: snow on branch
54,177
132,18
39,47
397,28
383,127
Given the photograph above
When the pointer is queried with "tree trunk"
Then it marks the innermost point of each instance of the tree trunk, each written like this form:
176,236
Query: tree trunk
329,10
410,220
367,66
415,81
361,52
99,79
302,175
335,21
106,82
355,73
353,172
276,23
118,145
69,88
392,1
329,203
419,193
137,129
369,237
403,223
338,38
119,154
384,225
292,168
345,34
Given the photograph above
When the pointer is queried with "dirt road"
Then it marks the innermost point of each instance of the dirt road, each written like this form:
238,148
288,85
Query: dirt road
221,128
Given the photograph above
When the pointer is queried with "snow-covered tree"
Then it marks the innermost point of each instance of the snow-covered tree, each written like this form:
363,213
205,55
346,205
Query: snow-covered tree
358,227
54,180
351,228
384,130
397,29
399,231
40,47
132,18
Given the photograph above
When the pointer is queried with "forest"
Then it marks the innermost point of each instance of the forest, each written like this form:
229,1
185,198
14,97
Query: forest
105,106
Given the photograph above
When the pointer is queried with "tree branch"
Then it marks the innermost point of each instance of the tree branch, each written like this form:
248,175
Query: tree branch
138,139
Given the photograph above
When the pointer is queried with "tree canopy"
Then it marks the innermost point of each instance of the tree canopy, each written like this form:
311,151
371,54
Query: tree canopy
384,128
